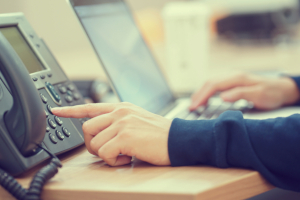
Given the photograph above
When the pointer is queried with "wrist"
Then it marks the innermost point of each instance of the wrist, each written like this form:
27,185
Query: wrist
290,91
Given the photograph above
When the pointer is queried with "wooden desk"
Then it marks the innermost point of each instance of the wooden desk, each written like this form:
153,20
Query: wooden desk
85,176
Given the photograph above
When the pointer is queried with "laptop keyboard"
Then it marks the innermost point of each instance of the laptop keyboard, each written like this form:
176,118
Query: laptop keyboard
214,108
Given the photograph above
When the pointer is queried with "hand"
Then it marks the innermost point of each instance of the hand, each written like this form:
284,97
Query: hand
264,93
122,128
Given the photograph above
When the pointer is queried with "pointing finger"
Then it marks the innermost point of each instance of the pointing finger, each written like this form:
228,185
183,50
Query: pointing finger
86,110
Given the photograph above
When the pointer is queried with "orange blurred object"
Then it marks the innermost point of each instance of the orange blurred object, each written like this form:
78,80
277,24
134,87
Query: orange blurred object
151,24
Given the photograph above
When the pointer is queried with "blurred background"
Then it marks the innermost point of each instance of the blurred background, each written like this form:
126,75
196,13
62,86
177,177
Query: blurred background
224,37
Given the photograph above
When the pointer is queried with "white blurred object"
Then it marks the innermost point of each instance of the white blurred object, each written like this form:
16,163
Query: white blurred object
187,43
252,6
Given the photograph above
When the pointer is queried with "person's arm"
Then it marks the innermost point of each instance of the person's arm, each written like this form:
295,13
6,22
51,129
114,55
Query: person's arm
272,147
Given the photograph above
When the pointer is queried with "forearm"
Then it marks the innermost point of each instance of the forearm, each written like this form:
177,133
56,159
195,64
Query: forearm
268,146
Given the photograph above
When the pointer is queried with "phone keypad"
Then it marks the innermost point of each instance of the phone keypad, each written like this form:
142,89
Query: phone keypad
57,130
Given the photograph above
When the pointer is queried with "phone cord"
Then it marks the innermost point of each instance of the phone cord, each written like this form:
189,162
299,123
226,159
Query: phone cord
36,186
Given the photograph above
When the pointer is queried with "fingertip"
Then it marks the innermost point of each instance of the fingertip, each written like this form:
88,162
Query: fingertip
191,108
56,110
194,105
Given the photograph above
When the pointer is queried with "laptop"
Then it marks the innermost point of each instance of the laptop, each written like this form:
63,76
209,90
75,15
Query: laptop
130,67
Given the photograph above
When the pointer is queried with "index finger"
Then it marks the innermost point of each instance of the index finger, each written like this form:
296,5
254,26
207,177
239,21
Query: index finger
86,110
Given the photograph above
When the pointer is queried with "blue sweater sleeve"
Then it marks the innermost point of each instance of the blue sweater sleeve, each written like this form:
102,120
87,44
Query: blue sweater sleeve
297,81
272,146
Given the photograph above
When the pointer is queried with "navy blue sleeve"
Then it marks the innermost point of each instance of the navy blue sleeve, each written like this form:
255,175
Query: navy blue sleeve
272,146
297,81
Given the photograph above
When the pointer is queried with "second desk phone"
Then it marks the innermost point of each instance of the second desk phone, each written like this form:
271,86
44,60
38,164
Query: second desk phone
31,83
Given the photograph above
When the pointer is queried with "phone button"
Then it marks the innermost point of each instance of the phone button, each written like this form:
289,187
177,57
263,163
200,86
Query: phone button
76,96
44,99
59,135
34,78
47,129
51,123
53,138
47,114
70,93
49,109
62,89
58,120
66,132
69,99
53,92
71,87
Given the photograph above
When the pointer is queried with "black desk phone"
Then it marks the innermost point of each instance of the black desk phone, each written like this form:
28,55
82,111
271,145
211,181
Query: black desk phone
31,83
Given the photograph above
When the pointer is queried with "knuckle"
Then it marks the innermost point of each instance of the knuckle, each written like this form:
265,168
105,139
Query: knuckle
211,85
102,153
242,76
88,108
93,144
125,121
261,91
124,135
122,111
85,127
128,151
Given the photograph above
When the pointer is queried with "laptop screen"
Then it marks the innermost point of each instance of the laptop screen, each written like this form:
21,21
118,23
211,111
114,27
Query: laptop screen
126,58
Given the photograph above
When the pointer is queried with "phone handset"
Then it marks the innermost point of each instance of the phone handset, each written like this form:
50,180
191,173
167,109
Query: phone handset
26,120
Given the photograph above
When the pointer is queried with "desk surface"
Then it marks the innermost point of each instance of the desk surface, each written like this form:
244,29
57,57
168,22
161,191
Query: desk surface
85,176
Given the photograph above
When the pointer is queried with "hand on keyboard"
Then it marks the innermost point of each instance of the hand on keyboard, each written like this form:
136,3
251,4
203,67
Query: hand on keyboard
264,93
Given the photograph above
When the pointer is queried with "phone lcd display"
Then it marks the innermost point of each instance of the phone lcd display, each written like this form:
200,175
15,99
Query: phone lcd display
25,52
